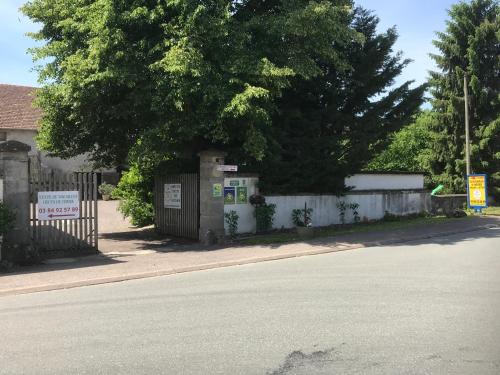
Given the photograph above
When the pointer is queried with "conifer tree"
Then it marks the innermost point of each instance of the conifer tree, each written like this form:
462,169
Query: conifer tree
331,125
470,45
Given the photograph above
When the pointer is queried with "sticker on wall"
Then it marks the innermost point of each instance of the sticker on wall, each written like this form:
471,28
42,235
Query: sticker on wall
234,183
229,195
241,195
217,190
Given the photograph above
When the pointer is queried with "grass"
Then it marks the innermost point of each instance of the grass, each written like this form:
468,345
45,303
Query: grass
492,211
285,237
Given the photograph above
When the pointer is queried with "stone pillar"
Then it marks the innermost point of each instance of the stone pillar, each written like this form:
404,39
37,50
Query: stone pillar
211,207
16,194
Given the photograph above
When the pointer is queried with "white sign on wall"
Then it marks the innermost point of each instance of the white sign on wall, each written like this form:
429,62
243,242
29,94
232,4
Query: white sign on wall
227,168
58,205
172,196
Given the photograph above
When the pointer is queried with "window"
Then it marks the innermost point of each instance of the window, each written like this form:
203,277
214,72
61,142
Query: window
3,136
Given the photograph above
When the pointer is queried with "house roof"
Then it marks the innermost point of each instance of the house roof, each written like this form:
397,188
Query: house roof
16,108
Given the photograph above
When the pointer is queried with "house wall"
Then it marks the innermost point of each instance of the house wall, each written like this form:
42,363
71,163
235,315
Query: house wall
75,164
385,181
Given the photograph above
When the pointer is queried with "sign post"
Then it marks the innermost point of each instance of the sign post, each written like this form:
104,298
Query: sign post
58,205
477,191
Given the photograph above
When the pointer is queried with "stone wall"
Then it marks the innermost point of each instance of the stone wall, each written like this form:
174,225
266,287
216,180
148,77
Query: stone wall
446,204
16,196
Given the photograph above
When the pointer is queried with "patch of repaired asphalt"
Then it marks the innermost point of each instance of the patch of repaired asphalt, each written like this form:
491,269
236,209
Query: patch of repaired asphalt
298,362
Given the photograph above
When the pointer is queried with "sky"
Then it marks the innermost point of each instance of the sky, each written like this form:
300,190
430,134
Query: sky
416,22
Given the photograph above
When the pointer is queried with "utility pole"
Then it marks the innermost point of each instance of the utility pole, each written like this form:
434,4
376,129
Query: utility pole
467,142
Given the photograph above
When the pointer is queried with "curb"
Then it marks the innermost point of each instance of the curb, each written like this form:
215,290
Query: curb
325,250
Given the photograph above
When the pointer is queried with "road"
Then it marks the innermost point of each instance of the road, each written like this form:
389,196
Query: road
418,308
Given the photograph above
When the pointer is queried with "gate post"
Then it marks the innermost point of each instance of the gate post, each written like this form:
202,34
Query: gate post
211,207
16,192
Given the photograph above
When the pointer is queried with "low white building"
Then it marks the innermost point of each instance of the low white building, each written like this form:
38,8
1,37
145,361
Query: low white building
19,121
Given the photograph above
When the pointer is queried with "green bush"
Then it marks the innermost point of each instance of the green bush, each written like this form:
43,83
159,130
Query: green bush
232,218
136,197
7,218
302,217
264,217
106,189
342,207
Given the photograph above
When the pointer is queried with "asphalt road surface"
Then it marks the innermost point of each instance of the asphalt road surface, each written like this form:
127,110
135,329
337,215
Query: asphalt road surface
427,307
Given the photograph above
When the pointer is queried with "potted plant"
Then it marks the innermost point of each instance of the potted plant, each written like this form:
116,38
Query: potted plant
106,190
301,217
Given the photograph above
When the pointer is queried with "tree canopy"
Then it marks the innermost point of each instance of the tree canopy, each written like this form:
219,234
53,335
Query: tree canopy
330,125
410,149
470,45
185,74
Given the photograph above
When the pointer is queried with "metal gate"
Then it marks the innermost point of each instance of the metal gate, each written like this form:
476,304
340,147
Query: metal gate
182,219
67,234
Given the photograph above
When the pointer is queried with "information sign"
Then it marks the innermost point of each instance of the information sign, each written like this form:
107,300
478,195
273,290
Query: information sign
477,191
172,196
217,190
227,168
229,195
58,205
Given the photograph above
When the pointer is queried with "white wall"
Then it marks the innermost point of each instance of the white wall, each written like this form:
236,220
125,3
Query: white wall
75,164
372,206
385,181
246,222
393,193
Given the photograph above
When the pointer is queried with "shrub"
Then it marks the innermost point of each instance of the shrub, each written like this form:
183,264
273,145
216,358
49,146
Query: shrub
354,207
342,207
7,218
301,217
106,189
257,200
264,213
264,217
136,198
232,218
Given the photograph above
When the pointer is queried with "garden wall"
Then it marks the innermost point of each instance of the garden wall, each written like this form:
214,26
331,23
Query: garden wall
372,206
246,184
385,181
376,193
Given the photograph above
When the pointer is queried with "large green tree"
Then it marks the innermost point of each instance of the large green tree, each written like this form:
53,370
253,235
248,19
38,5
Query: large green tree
330,125
174,77
470,45
410,149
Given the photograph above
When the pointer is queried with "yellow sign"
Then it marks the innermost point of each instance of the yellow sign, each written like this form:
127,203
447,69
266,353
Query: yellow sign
476,190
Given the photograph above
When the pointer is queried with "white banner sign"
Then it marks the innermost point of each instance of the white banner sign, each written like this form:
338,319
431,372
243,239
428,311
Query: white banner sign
58,205
227,168
172,196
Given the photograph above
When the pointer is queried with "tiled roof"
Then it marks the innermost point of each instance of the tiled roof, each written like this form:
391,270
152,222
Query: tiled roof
16,109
